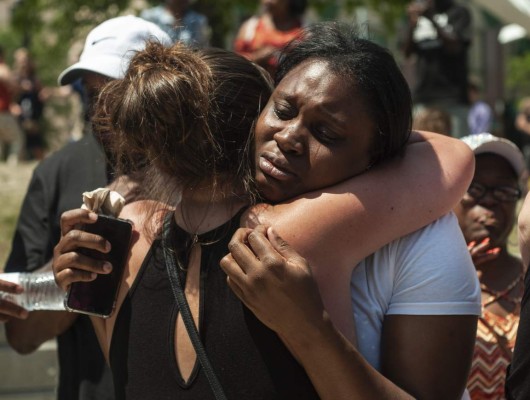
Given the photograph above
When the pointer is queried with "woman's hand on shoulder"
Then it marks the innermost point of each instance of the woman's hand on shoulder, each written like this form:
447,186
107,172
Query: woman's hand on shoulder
273,281
69,264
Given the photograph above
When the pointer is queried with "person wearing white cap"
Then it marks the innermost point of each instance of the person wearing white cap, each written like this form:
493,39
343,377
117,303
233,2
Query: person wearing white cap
486,215
57,185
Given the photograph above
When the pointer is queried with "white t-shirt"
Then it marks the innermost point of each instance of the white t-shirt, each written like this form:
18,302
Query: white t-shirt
428,272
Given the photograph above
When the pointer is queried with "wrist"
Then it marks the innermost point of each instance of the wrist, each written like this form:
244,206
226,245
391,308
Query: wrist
313,335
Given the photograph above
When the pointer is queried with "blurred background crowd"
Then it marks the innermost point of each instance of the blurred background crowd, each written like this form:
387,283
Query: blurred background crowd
482,86
469,79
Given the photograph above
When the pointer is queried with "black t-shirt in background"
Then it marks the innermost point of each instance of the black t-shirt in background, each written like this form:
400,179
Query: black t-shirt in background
56,186
441,75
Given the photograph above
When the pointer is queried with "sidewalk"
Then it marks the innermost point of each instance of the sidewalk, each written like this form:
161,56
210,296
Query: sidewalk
29,377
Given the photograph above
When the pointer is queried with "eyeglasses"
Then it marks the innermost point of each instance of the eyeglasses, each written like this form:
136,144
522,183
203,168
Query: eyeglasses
503,194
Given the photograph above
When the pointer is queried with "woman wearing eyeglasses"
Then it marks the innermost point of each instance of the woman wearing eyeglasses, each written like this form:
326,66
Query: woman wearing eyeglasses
486,215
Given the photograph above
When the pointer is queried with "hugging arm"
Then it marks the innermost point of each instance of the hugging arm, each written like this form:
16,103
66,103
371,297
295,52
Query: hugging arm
336,228
304,326
358,216
275,283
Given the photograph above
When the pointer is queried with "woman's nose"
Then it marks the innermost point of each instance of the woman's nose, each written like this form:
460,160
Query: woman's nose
290,140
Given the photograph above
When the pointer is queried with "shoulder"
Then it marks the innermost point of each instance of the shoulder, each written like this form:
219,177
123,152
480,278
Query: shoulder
147,217
50,166
73,158
145,214
86,146
431,271
439,247
434,237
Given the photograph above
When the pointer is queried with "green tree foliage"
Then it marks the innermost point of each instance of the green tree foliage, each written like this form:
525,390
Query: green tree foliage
518,75
389,11
226,15
49,27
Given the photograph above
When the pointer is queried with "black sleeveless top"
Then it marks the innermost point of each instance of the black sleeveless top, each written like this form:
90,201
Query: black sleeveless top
249,359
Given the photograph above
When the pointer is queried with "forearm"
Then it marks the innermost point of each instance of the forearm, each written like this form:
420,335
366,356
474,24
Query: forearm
26,336
336,369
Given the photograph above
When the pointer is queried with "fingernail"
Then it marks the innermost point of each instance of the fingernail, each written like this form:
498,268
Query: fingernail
92,216
496,250
107,267
485,241
471,244
107,246
93,275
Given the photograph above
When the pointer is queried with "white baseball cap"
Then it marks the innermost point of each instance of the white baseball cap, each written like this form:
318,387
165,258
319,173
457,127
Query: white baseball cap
487,143
110,46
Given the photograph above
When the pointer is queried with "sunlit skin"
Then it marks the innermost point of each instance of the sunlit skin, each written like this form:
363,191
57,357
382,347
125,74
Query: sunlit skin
314,132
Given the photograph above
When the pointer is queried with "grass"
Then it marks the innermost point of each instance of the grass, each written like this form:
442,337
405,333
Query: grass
13,185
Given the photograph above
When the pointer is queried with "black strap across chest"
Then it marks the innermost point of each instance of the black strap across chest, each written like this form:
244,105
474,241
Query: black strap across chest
180,297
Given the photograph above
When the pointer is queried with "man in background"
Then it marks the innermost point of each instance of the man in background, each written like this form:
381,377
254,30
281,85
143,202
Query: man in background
56,186
439,35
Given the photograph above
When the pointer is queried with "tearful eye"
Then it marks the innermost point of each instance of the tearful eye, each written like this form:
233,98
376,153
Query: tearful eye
284,111
279,114
324,135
